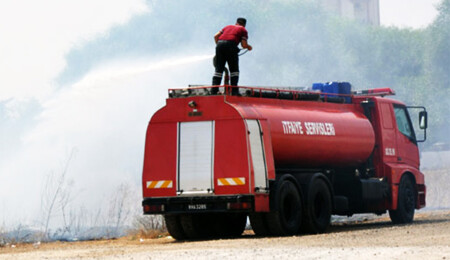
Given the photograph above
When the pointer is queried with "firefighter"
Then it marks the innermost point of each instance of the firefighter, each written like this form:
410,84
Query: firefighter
227,41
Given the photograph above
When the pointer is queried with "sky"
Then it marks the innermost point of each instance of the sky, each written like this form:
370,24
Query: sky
35,36
408,13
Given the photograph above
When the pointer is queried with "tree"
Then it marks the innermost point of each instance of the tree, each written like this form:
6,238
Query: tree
438,72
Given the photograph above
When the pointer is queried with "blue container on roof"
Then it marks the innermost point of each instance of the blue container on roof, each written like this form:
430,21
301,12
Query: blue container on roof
331,88
318,86
346,88
341,88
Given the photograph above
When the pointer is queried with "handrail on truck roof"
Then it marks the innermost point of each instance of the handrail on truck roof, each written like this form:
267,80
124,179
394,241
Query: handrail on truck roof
287,93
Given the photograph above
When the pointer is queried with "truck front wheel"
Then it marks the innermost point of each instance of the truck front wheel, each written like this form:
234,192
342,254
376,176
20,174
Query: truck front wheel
406,202
286,218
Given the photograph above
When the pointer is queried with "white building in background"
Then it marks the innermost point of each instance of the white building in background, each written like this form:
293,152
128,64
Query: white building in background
366,11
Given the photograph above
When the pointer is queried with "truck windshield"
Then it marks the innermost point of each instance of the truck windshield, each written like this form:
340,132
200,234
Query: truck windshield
403,122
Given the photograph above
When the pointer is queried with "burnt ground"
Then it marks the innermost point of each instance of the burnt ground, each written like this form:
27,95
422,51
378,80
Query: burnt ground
364,238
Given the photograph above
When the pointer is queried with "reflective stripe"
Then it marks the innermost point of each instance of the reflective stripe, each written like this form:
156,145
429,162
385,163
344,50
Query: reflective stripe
230,181
159,184
234,74
218,74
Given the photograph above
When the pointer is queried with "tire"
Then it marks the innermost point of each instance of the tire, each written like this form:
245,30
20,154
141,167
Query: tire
229,224
259,224
174,227
197,226
317,215
286,219
406,202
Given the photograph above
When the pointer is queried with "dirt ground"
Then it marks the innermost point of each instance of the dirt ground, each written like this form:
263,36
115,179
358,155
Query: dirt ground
427,238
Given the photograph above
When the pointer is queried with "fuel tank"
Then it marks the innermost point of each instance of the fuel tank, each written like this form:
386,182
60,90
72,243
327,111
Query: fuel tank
309,134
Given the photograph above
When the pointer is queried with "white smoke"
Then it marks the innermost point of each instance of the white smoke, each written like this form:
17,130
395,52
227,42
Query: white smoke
103,117
35,36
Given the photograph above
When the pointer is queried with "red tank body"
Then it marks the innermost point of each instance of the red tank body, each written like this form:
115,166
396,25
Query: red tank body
285,159
314,134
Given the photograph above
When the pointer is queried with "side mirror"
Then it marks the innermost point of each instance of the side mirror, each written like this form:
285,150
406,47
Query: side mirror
423,119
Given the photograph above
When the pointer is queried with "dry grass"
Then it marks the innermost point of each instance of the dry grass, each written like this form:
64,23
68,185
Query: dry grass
147,234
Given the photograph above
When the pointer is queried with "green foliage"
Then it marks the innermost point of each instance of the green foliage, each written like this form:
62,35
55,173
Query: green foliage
439,43
437,75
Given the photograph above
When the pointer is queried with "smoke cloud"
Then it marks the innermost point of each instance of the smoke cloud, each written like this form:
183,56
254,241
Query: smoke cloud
103,118
103,99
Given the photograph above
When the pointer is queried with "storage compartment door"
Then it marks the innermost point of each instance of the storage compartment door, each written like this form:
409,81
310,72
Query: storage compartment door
257,154
195,157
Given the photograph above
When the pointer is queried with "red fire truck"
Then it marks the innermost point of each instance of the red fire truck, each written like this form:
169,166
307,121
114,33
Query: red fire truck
284,158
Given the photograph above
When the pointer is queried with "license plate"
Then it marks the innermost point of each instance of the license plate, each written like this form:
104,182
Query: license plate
197,207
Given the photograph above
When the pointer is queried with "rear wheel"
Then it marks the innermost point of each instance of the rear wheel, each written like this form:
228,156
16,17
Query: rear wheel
406,202
259,224
229,225
174,227
317,214
286,219
197,226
